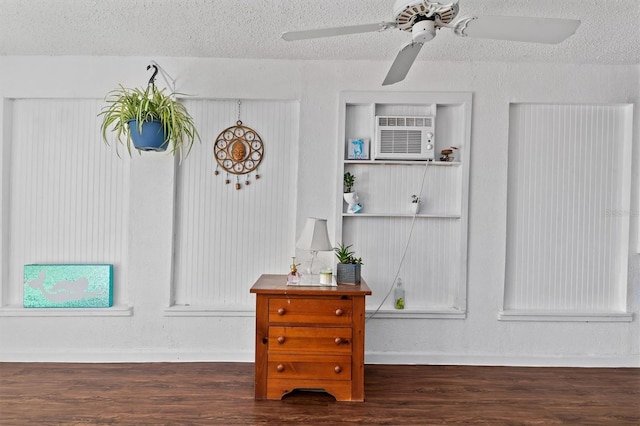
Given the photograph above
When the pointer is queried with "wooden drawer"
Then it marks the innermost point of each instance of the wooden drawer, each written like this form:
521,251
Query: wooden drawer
328,340
310,311
318,367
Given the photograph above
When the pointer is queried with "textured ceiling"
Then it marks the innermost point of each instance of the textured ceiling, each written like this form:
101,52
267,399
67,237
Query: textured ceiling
609,33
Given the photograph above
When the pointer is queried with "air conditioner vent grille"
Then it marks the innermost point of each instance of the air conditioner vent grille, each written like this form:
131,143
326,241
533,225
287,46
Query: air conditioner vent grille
400,141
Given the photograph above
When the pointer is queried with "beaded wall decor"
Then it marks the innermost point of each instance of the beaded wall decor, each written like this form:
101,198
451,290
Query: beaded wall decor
238,150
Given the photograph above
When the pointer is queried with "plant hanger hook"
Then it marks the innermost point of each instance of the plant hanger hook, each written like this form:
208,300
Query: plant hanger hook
153,77
170,81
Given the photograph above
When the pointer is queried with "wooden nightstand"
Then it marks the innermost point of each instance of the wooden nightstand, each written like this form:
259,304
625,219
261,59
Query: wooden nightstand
309,338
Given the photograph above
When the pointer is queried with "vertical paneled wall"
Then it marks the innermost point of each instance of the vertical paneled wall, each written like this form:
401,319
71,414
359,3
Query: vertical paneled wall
429,270
225,238
68,191
569,171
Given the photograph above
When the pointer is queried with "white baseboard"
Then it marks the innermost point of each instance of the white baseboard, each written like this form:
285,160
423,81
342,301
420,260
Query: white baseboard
122,357
587,361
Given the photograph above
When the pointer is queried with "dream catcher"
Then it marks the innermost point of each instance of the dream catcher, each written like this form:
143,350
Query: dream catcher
239,151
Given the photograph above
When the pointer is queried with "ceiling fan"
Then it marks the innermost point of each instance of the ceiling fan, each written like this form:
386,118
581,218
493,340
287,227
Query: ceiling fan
423,17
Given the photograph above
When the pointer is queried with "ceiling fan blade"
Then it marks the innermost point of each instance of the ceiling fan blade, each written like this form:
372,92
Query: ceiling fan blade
402,64
517,28
337,31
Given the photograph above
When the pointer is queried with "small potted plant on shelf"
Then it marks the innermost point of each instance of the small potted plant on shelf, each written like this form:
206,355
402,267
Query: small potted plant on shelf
415,204
349,195
349,266
349,181
149,119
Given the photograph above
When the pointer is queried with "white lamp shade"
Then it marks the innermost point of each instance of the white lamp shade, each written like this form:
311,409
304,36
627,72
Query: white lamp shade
315,236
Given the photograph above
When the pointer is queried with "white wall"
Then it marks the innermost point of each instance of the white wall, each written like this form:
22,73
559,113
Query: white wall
149,334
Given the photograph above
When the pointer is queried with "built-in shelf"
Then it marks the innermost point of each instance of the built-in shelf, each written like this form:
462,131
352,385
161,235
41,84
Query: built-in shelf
416,314
409,215
434,271
562,316
19,311
209,311
404,163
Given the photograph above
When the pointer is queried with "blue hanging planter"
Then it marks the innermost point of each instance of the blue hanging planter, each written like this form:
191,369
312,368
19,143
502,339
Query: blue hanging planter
152,137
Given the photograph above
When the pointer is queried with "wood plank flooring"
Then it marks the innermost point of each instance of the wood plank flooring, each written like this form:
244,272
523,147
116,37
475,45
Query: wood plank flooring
222,394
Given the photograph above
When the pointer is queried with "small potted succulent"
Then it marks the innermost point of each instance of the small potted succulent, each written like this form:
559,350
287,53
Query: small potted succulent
350,195
415,204
349,181
349,266
149,120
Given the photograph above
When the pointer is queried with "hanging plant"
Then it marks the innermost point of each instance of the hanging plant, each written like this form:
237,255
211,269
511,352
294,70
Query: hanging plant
131,112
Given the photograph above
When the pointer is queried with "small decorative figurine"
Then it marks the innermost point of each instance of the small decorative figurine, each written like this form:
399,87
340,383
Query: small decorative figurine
446,154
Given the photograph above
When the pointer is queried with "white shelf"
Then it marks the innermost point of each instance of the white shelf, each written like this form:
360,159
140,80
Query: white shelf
209,311
416,313
19,311
563,316
403,163
432,216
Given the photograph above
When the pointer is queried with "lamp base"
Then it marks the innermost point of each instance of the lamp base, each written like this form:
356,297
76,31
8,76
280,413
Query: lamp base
313,266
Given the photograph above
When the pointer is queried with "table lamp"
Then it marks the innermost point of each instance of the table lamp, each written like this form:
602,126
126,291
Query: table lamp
314,238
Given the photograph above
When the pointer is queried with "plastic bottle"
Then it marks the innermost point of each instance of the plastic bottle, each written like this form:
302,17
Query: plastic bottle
398,295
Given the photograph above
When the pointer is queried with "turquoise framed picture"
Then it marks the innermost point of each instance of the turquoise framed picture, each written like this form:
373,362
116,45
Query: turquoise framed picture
68,286
358,149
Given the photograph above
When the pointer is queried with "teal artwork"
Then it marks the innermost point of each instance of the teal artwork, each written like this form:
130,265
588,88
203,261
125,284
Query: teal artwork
68,286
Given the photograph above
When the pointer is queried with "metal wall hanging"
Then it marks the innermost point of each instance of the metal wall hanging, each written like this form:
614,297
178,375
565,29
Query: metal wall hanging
238,150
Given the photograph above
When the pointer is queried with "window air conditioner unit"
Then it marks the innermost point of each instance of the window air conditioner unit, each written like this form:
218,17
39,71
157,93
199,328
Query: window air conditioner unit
404,138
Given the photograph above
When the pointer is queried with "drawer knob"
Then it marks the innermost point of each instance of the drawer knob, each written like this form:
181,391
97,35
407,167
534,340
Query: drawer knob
281,311
337,369
338,340
280,368
280,339
339,312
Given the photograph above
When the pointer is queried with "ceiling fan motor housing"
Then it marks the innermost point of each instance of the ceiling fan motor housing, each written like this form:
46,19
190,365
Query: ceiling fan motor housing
409,12
423,31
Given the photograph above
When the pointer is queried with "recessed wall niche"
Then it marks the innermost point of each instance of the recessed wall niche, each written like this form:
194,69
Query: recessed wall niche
65,193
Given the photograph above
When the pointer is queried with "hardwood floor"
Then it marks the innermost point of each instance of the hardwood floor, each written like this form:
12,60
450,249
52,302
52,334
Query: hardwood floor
222,394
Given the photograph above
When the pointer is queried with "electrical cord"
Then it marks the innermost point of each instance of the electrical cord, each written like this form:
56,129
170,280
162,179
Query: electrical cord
406,248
